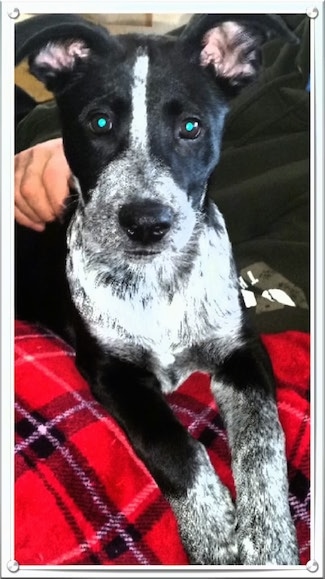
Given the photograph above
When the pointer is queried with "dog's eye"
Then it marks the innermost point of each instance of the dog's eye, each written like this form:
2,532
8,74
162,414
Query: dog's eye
100,124
189,129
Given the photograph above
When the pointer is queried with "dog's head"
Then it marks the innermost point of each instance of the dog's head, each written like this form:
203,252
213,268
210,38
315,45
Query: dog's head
142,121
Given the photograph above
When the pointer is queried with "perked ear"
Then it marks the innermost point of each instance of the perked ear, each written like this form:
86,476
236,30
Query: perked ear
231,44
56,43
56,59
232,51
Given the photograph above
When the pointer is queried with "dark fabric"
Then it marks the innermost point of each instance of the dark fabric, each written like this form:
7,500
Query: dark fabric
24,104
261,183
40,125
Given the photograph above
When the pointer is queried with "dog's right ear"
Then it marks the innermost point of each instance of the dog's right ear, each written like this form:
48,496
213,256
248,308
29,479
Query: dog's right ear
229,45
56,43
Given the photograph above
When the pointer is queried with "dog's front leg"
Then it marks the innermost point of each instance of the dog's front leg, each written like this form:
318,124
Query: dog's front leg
244,393
180,465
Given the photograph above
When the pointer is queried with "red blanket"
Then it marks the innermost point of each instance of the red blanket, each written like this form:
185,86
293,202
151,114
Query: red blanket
82,496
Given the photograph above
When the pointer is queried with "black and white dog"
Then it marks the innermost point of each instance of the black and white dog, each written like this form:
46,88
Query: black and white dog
139,275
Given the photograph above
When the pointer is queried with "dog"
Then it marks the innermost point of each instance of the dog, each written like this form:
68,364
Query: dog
139,274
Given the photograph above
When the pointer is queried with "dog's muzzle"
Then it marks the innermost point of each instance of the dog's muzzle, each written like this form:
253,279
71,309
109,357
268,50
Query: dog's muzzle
145,222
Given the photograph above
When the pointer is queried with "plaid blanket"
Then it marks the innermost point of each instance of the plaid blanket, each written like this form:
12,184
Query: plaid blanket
82,496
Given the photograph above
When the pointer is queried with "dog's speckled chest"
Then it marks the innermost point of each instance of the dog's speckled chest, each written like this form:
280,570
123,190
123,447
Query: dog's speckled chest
162,325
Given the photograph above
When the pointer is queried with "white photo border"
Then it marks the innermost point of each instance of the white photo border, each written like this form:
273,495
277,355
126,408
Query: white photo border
315,10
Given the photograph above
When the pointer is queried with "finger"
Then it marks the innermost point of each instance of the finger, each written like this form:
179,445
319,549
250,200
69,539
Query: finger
25,184
32,197
22,205
22,219
55,181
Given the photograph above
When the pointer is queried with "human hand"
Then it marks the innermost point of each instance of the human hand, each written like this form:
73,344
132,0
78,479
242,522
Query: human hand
41,184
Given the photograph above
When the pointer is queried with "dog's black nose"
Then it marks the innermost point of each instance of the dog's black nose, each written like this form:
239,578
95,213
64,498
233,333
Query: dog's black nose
146,221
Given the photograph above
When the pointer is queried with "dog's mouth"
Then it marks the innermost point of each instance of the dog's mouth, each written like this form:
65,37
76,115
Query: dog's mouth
142,253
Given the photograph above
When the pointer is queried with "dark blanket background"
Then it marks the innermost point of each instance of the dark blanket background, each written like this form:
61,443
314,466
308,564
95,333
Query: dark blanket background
82,496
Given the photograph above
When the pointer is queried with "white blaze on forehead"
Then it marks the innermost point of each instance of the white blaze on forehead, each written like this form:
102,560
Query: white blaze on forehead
139,102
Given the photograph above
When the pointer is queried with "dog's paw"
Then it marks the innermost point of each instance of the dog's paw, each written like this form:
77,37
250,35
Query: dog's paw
207,519
216,542
266,532
273,544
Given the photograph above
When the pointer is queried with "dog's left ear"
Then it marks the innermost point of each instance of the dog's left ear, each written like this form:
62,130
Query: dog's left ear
231,44
56,44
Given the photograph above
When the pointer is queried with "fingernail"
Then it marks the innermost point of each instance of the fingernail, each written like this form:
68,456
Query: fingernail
38,227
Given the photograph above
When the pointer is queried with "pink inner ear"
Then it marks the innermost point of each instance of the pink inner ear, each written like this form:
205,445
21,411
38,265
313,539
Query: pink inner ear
224,47
60,56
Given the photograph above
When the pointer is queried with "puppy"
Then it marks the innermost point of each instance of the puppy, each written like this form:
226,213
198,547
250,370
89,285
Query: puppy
139,275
